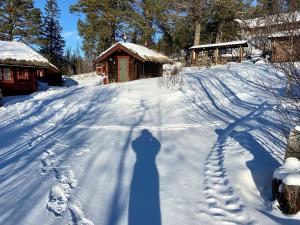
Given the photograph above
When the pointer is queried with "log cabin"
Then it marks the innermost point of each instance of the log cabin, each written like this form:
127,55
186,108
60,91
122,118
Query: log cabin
275,35
21,66
127,61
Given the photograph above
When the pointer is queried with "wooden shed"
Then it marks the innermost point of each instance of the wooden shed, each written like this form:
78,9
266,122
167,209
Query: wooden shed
127,61
220,52
21,66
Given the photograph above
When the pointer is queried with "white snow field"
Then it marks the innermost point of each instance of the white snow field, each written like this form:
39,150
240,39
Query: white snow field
137,154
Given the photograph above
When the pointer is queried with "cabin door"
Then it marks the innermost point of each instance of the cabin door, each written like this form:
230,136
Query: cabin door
123,67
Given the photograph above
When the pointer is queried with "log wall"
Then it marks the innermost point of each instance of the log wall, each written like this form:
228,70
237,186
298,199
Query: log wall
23,80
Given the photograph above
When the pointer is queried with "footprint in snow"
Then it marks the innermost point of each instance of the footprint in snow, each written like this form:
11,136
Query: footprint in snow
48,161
60,194
79,217
82,152
58,200
65,176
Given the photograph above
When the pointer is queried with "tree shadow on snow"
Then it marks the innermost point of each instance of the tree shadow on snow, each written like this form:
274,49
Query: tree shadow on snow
144,201
262,166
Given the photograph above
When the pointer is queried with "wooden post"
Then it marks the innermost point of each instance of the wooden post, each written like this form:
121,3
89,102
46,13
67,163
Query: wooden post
241,53
194,57
216,55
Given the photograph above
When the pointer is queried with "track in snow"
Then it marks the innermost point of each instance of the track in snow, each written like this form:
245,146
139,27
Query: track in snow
223,204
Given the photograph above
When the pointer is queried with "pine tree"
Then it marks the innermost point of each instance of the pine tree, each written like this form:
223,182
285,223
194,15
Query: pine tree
105,23
52,46
19,21
222,19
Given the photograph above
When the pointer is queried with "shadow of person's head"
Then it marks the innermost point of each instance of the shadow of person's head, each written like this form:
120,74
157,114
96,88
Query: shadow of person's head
146,146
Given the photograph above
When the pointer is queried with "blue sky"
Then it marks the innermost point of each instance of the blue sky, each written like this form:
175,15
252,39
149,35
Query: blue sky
68,22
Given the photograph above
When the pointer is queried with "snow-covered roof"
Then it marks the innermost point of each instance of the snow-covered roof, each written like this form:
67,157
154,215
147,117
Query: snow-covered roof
224,44
144,54
270,20
18,53
290,33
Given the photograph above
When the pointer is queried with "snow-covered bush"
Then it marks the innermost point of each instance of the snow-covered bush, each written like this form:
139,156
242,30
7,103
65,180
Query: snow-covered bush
171,76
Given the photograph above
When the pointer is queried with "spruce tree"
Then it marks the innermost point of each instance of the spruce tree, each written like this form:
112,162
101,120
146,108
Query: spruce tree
19,21
52,43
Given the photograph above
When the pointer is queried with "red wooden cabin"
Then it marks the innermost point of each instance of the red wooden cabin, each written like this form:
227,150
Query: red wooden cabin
128,61
21,66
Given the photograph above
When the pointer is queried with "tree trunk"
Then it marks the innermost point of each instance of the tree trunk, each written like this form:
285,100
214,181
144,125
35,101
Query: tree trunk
197,33
219,34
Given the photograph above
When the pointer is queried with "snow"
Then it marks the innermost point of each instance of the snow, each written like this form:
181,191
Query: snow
297,128
145,53
289,172
201,153
270,20
86,79
220,44
287,33
19,51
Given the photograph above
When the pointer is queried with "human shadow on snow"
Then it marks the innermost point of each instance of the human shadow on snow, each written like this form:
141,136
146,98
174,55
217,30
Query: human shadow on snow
144,201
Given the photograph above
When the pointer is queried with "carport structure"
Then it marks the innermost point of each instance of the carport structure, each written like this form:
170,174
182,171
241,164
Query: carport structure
220,52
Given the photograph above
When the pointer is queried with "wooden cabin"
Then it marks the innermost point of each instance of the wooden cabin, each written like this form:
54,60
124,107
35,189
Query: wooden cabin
219,53
276,35
21,66
127,61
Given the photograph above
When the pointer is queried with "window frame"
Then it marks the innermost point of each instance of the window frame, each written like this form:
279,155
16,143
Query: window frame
23,74
11,80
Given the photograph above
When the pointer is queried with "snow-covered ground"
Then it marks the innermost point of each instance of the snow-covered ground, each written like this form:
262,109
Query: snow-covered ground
137,154
86,79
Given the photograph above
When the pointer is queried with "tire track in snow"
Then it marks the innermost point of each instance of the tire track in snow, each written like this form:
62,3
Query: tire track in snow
221,199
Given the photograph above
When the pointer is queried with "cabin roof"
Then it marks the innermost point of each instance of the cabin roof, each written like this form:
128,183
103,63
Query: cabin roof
232,44
19,54
284,34
137,51
264,21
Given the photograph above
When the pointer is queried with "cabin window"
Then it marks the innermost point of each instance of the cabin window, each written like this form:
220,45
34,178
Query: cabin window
23,75
6,74
40,73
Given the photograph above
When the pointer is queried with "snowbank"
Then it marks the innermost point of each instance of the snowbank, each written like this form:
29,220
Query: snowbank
289,172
